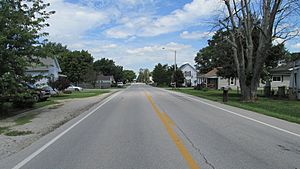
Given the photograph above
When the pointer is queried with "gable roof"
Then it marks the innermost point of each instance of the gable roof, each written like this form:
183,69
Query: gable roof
102,77
212,73
284,69
45,64
187,64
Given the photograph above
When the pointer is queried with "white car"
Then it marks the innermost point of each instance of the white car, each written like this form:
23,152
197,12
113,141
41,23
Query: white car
120,84
74,88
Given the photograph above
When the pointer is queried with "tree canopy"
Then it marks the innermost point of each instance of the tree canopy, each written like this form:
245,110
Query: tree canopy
76,64
21,36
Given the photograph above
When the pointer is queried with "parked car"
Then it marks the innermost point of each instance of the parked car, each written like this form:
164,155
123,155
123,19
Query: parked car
74,88
52,91
120,84
38,94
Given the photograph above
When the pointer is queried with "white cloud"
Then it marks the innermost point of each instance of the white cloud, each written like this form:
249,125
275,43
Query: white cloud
197,35
71,21
296,46
147,26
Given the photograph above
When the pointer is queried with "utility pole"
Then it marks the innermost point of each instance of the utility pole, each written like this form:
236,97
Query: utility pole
175,52
175,69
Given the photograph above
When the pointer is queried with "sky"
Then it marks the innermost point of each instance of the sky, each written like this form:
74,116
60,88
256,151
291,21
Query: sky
137,33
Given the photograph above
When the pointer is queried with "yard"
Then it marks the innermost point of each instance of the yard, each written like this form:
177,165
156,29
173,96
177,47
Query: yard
283,109
8,110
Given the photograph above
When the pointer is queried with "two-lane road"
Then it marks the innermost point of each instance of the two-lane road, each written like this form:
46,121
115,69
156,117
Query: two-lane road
144,127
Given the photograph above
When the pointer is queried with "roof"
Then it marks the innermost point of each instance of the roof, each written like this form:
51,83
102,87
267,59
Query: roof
45,64
212,73
187,64
102,77
284,69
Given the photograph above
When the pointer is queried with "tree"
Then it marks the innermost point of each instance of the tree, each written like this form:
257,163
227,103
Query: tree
143,76
107,67
104,66
245,18
129,75
21,25
176,76
161,75
52,49
217,54
75,65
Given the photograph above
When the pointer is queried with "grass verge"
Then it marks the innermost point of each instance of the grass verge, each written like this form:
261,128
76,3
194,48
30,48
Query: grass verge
8,110
24,119
3,129
18,133
81,94
282,109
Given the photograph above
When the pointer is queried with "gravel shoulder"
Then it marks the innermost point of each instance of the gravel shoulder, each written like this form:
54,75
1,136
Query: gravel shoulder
41,122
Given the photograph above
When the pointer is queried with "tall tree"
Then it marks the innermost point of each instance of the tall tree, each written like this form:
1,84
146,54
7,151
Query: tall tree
176,76
217,54
21,25
245,18
161,75
76,64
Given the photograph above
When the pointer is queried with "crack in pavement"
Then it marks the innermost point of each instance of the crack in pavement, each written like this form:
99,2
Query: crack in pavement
195,147
190,141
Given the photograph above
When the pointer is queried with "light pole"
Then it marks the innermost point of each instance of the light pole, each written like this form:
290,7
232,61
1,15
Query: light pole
175,52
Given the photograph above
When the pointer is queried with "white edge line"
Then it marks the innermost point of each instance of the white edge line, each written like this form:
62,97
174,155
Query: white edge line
237,114
37,152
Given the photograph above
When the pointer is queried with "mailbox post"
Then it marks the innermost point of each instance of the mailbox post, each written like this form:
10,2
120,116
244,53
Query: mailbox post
225,94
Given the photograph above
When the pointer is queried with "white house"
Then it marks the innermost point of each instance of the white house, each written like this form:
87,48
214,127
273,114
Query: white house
295,78
280,76
190,75
49,68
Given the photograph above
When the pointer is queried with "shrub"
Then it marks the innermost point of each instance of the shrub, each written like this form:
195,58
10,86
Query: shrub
67,92
24,100
60,84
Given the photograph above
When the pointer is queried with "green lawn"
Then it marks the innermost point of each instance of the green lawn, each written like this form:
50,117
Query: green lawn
283,109
9,110
81,94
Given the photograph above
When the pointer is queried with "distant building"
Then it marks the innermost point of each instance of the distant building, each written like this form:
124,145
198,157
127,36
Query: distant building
104,81
190,75
48,68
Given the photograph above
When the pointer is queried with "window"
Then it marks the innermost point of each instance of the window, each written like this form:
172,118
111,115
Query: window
276,79
187,73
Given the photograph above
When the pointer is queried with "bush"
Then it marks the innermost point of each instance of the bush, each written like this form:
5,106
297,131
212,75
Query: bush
60,84
67,92
24,100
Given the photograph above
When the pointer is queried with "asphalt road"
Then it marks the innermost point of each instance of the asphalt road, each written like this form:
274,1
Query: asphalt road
147,128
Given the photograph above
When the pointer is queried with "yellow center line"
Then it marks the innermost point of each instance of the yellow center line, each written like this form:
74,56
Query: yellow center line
167,122
168,119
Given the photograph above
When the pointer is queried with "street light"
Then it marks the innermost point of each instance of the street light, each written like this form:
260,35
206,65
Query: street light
174,66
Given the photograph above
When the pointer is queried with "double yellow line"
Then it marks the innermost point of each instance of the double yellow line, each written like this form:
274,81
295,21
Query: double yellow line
168,124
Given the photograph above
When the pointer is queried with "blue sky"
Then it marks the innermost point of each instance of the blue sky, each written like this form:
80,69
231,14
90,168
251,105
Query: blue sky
133,32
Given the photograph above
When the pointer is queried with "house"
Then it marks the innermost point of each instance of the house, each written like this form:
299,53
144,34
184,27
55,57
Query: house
190,75
213,81
294,85
48,68
280,76
104,81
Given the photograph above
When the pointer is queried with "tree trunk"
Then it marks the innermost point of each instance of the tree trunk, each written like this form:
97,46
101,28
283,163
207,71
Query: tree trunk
248,90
